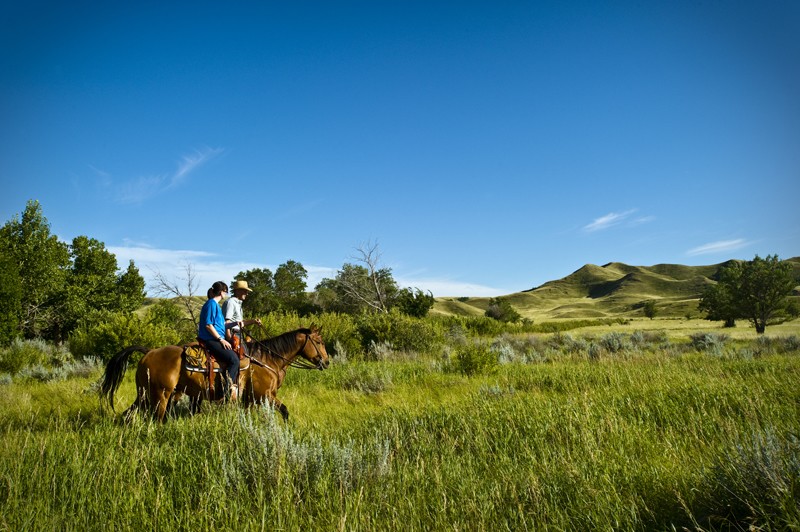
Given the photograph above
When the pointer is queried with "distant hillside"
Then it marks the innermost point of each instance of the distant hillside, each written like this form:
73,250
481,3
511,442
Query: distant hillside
612,290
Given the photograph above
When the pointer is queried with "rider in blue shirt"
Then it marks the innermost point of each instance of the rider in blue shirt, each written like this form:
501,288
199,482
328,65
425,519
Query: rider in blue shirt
212,332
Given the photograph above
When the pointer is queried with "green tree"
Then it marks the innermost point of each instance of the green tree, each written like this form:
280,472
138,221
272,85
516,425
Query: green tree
285,290
357,289
10,299
755,290
501,309
129,290
92,284
763,287
414,302
262,300
290,287
793,308
62,284
649,308
167,313
42,262
718,300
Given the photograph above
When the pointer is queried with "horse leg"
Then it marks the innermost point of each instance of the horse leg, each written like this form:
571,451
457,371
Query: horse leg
275,403
194,403
160,398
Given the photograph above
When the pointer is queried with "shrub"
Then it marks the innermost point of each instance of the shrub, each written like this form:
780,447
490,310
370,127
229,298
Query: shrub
520,350
614,342
104,339
752,483
23,354
501,309
474,358
339,331
166,313
709,342
403,333
766,345
365,377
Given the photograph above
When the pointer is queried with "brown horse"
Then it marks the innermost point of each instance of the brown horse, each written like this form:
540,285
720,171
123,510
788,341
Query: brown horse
161,376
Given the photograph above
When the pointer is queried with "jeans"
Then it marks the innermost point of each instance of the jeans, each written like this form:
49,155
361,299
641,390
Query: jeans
227,359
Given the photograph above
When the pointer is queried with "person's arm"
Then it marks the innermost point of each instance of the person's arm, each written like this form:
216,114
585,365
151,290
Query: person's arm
212,331
214,334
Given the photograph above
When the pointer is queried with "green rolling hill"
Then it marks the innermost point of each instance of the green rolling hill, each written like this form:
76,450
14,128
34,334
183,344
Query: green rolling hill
612,290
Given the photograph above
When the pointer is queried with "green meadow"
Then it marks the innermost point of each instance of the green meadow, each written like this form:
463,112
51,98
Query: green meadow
613,290
637,425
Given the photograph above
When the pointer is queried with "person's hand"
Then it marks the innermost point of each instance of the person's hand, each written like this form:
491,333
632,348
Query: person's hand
257,320
226,344
240,324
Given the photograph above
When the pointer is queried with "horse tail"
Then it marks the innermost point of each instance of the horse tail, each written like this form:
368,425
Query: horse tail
115,372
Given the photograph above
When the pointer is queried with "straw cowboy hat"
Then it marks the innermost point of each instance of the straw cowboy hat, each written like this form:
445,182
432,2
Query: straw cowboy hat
241,285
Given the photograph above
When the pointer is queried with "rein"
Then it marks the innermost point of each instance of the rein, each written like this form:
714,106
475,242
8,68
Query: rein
290,362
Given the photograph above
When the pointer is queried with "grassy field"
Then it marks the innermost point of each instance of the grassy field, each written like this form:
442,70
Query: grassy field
613,428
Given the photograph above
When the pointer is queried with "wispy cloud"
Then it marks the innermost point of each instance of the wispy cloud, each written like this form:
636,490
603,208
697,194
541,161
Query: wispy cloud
722,246
140,188
610,220
448,287
191,162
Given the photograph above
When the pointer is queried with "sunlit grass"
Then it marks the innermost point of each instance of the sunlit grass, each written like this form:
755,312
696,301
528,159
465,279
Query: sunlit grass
629,432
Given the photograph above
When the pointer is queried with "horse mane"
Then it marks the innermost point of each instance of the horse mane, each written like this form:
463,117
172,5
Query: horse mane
281,344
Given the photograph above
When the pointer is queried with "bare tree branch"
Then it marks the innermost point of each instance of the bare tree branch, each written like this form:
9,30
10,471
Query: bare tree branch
369,255
175,288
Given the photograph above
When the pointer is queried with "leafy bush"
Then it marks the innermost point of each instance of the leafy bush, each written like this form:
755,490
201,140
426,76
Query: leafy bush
166,313
414,302
339,331
501,309
104,338
404,333
474,358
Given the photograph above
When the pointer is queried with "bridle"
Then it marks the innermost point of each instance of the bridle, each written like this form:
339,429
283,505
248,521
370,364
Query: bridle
292,361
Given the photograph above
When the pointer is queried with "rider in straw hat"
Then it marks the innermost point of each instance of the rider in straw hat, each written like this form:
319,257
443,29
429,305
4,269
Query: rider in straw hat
232,309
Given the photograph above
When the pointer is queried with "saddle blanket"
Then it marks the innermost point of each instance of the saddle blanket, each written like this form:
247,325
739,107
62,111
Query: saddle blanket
195,359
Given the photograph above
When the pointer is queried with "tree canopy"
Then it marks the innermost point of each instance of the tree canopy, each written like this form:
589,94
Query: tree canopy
60,284
369,288
285,290
502,310
754,290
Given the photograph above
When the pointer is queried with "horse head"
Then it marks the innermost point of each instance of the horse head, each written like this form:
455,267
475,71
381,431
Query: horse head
314,348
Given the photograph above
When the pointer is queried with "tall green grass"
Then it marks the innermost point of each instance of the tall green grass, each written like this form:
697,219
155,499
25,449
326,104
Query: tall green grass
644,435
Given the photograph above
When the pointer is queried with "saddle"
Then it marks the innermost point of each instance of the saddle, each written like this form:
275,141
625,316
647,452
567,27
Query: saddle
197,358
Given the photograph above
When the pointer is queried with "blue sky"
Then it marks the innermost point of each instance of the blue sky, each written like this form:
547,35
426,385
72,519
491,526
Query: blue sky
487,147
